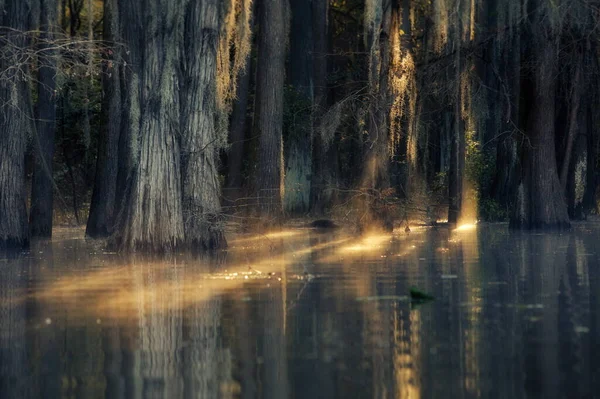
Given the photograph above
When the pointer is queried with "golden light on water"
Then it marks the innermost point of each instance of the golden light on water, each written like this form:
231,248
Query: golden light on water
369,243
466,227
269,236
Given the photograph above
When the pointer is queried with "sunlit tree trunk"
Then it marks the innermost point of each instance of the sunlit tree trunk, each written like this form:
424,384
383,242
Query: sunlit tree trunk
201,186
40,215
15,126
273,16
152,217
378,32
103,206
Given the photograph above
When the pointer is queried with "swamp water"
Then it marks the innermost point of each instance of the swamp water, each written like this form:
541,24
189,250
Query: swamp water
298,314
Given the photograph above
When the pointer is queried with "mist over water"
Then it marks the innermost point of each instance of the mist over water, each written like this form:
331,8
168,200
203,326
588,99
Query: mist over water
301,314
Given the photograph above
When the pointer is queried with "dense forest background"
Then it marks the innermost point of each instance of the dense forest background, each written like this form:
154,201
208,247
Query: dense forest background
161,122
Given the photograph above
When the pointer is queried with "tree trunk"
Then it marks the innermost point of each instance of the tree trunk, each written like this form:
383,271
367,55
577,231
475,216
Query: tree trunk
540,199
269,105
152,218
103,207
573,126
378,43
298,145
40,215
130,21
321,173
201,186
506,179
15,127
457,140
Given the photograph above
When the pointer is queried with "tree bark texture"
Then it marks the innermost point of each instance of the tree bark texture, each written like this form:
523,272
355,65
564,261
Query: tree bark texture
15,127
272,43
378,44
201,186
541,202
152,216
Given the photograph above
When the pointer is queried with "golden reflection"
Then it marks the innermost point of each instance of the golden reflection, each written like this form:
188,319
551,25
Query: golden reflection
115,292
466,227
369,243
268,236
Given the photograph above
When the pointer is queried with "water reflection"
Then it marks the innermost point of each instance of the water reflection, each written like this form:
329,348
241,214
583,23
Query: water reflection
306,315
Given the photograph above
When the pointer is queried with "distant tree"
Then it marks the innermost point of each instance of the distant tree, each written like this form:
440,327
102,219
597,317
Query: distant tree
42,188
104,205
272,44
320,196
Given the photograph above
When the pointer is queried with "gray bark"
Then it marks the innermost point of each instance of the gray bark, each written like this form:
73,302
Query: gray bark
15,128
152,217
201,186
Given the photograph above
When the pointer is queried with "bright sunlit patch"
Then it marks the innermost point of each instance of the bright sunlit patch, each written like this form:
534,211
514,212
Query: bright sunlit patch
466,226
268,236
369,243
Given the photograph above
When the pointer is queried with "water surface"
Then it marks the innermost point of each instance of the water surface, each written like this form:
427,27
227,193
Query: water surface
305,315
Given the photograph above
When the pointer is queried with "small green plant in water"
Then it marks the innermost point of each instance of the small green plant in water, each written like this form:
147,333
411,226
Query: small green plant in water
418,296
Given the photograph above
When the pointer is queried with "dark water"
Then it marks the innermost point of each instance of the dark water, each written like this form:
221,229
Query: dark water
306,315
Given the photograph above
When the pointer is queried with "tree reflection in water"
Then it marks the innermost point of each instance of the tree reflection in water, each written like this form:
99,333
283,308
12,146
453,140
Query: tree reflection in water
307,316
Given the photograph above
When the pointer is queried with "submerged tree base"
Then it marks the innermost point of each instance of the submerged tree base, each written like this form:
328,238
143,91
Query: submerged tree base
13,244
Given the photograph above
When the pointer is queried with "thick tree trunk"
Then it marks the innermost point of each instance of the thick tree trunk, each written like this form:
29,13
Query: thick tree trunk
540,201
269,104
103,207
152,218
201,186
15,127
298,145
